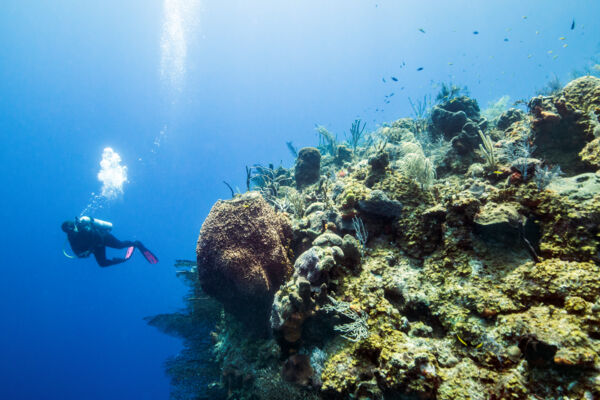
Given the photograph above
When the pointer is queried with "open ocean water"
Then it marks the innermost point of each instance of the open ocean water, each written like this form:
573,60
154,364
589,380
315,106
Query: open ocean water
188,93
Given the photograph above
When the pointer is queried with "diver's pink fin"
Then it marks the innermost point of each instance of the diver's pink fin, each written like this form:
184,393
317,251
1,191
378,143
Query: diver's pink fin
149,256
129,252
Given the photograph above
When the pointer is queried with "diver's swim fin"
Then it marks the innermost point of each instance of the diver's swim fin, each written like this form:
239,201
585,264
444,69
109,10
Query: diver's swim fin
151,258
129,252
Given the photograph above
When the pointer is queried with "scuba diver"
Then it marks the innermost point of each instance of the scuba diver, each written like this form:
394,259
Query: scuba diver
88,235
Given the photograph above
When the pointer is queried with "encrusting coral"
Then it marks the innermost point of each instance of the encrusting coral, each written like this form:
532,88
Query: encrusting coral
482,283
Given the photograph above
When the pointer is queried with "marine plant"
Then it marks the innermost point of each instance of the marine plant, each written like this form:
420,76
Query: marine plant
410,147
381,144
356,134
279,204
552,87
248,177
450,91
327,141
543,176
269,182
269,179
296,201
354,331
292,149
418,167
420,109
317,361
324,192
193,369
488,151
231,189
496,108
361,234
517,155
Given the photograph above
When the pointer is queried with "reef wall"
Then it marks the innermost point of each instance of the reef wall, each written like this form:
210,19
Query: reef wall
448,257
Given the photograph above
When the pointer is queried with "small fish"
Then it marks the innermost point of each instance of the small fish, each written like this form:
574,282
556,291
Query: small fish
549,51
524,16
565,45
573,24
421,30
529,56
506,39
394,79
555,57
391,94
450,63
498,172
383,79
475,32
561,38
596,67
420,69
537,32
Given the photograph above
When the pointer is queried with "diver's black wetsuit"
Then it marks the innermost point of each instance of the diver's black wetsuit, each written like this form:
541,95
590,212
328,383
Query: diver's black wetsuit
90,240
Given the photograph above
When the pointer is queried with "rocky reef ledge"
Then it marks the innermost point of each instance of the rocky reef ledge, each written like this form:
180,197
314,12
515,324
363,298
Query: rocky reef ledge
443,257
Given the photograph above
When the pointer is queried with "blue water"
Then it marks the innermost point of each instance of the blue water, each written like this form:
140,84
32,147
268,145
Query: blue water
240,79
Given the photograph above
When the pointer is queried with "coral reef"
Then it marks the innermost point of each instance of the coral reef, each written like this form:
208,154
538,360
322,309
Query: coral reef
458,120
438,258
566,123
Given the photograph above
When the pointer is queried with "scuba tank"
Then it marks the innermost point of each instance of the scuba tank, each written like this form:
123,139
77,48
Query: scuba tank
89,222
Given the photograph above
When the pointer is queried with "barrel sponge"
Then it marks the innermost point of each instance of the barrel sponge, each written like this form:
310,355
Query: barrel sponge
243,256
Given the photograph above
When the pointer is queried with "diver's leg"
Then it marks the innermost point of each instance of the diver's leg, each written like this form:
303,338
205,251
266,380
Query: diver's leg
100,254
111,241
